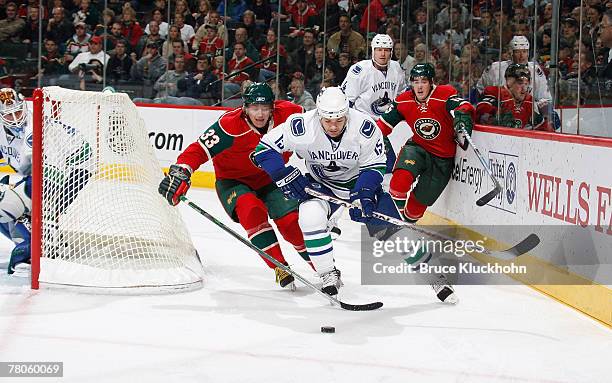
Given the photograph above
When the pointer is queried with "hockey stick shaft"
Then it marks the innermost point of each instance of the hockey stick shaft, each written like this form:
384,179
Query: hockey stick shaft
265,255
481,159
524,246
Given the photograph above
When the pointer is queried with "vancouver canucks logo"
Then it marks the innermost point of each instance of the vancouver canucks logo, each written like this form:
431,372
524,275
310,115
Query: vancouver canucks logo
511,183
381,105
427,128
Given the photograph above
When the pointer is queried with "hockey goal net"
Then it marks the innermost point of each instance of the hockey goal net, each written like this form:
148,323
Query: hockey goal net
97,218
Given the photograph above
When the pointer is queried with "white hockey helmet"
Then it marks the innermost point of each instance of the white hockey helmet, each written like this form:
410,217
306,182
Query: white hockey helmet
382,41
332,103
519,42
13,110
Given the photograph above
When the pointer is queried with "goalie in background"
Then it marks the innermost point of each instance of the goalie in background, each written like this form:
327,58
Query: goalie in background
511,105
246,192
15,200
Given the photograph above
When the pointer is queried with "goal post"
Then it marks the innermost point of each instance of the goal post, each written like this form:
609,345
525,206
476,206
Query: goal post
98,221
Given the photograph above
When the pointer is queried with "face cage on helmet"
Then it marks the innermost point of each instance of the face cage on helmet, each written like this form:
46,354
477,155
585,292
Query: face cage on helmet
15,123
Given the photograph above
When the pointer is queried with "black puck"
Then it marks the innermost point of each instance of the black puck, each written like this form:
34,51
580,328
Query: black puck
328,329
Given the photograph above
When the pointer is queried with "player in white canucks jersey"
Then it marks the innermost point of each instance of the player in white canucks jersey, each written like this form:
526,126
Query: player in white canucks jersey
372,85
15,200
344,154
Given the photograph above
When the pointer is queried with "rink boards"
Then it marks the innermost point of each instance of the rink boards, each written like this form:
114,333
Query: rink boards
558,186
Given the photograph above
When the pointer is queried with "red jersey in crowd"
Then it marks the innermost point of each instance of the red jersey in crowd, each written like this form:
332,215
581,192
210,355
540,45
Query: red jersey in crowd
511,114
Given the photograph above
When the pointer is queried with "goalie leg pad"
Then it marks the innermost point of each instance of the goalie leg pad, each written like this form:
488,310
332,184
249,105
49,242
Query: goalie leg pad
313,218
253,216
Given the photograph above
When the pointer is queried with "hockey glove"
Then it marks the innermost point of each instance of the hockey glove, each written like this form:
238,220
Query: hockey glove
292,182
366,201
175,183
463,124
391,156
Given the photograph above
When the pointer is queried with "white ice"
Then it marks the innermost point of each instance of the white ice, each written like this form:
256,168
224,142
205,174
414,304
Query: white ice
242,328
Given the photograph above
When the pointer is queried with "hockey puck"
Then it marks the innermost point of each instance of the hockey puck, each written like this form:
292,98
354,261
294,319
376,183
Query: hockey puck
328,329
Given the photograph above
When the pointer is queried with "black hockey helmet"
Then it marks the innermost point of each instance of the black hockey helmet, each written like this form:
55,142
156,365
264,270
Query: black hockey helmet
517,71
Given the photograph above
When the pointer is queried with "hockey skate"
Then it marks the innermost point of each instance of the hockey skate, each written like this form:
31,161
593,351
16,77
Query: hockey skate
331,282
444,290
284,279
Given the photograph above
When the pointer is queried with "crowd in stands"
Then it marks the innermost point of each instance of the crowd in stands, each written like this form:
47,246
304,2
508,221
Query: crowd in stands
196,52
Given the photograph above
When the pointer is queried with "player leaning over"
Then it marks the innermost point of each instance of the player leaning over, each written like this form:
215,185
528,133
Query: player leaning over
344,153
15,200
515,103
434,113
245,191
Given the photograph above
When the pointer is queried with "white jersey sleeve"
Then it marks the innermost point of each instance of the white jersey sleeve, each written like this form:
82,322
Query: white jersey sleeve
352,83
17,150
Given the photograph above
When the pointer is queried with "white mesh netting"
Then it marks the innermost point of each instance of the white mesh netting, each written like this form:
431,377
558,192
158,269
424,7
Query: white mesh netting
104,223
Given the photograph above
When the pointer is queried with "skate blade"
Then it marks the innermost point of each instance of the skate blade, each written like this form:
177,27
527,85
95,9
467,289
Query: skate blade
22,270
452,299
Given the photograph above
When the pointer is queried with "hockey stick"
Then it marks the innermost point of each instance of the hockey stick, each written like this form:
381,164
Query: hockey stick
524,246
485,199
332,300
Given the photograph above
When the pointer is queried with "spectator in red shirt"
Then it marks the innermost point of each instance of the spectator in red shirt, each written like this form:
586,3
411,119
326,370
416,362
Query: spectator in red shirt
131,29
211,44
236,64
300,15
268,68
375,13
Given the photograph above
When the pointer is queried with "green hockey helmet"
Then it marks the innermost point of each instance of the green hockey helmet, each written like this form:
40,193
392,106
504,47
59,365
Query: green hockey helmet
258,93
423,70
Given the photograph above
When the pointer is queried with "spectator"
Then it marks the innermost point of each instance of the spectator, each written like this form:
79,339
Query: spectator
606,40
29,34
269,68
174,34
300,16
108,18
344,64
218,67
347,40
187,32
321,19
182,8
87,14
153,36
178,49
569,31
201,16
305,53
211,44
166,85
199,84
314,71
262,11
150,67
51,63
59,28
298,95
11,27
213,19
235,65
329,77
131,28
116,35
78,44
158,16
235,9
87,66
403,58
420,22
241,36
255,32
458,15
373,16
119,64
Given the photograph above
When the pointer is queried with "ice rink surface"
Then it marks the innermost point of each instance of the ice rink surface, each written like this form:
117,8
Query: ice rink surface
241,327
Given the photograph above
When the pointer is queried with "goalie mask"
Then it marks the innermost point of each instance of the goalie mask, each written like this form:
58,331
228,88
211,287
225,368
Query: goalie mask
13,111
